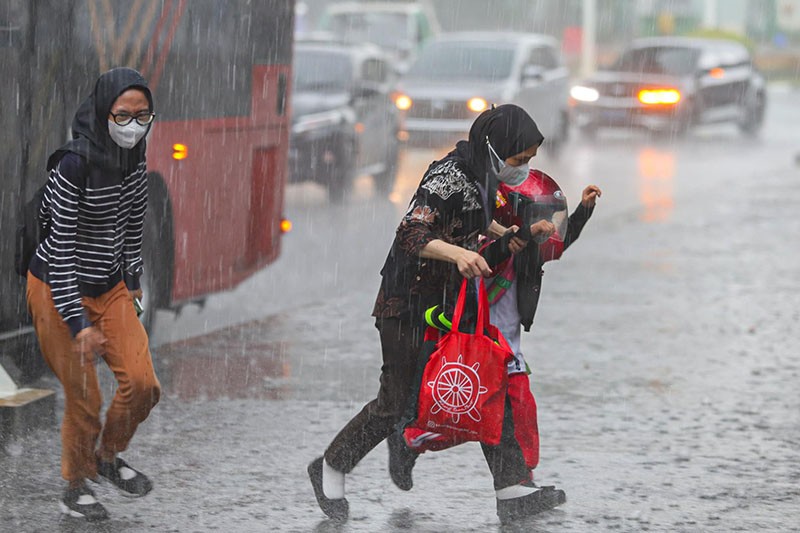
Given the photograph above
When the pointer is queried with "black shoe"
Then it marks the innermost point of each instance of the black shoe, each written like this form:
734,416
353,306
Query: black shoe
338,508
401,461
544,499
79,502
131,482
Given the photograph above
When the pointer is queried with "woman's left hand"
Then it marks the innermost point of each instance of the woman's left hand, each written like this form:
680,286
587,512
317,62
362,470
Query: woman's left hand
590,195
136,294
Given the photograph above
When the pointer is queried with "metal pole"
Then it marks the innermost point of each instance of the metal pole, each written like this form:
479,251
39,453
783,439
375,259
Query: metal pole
710,14
588,38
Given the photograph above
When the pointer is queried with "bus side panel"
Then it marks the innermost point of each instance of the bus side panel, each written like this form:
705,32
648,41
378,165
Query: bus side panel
223,92
227,195
210,195
264,227
14,21
216,68
34,91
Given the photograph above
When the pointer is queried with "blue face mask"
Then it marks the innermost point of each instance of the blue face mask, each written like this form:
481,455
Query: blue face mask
508,174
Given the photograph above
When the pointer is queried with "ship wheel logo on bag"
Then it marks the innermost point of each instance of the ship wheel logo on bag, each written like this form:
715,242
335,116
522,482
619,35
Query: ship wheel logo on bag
456,389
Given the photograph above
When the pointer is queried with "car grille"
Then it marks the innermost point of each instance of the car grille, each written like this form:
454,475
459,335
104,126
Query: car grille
440,109
618,89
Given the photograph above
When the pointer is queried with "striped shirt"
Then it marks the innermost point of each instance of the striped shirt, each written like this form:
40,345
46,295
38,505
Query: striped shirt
95,226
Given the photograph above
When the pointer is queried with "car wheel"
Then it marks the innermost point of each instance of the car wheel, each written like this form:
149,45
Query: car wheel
384,181
753,114
157,255
684,120
556,145
340,179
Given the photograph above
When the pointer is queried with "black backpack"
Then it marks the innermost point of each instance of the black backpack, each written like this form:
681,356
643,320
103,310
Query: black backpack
30,232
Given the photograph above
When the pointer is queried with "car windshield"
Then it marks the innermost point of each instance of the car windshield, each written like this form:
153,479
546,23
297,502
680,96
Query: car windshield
464,60
316,70
658,60
387,30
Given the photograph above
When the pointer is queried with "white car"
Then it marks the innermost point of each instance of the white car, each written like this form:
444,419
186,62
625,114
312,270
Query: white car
459,75
399,28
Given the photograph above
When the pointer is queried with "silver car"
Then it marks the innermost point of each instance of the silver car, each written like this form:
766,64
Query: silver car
671,84
459,75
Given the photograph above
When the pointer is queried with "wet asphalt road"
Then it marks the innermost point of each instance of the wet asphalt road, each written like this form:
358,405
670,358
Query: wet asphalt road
665,360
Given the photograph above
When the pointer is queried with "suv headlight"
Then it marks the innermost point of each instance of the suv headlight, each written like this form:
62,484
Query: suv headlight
403,102
477,104
582,93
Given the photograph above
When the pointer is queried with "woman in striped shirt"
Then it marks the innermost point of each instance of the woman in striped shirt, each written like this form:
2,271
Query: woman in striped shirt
82,282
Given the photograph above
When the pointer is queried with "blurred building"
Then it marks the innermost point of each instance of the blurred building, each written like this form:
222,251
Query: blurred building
616,19
771,25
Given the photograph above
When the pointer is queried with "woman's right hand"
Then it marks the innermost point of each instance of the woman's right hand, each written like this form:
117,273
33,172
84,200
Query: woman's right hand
472,264
89,341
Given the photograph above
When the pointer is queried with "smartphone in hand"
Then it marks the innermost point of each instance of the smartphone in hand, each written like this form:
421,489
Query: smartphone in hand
523,233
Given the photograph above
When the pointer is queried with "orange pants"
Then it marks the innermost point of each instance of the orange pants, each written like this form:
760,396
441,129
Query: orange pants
128,357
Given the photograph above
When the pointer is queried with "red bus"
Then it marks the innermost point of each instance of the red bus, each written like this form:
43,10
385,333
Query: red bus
217,154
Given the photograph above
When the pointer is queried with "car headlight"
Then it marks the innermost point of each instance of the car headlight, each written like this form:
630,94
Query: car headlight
582,93
317,121
659,96
403,102
477,104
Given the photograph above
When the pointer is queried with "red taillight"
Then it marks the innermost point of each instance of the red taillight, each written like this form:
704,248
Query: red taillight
659,96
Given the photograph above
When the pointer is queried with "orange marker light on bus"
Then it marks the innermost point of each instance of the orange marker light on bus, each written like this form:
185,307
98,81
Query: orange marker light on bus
717,72
659,96
179,151
286,225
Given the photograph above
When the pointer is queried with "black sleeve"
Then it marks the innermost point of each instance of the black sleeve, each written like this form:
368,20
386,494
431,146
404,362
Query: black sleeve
577,221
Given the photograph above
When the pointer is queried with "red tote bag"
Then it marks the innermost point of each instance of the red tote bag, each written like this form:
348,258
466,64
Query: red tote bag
463,390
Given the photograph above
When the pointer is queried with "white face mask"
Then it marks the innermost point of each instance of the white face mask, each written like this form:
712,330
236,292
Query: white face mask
513,176
126,136
508,174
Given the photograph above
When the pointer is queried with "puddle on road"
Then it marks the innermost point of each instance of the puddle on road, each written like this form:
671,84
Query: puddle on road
233,363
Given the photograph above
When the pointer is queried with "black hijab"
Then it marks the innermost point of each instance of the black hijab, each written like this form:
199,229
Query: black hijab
510,129
90,137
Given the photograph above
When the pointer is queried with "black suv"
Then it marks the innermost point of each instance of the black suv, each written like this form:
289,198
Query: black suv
344,122
671,84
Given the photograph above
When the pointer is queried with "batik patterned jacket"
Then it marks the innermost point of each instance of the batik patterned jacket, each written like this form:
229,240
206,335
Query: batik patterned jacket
448,205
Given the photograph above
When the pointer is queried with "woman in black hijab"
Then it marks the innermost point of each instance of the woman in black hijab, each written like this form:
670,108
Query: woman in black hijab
434,248
82,282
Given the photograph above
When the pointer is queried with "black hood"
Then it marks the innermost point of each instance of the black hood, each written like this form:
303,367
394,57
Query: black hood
509,128
90,137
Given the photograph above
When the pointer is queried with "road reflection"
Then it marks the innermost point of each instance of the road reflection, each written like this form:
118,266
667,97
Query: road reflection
235,362
656,174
